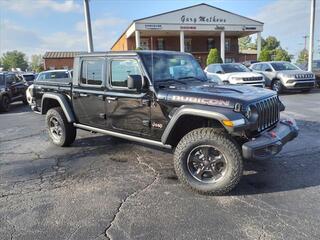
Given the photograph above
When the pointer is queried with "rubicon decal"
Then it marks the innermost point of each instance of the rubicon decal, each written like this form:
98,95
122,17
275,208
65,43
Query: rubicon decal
205,101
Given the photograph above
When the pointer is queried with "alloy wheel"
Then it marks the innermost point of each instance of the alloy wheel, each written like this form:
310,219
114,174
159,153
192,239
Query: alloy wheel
206,164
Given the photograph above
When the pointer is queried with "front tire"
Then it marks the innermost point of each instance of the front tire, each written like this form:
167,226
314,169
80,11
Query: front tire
5,104
207,161
61,132
277,86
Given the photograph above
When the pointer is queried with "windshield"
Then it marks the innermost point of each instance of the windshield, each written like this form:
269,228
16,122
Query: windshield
168,66
229,68
29,77
2,80
283,66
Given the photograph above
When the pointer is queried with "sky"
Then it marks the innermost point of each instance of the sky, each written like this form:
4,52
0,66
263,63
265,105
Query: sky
37,26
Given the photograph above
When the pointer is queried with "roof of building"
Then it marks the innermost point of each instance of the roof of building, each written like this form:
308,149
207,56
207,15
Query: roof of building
200,4
185,8
61,54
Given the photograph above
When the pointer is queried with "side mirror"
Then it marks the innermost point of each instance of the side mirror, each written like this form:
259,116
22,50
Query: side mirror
135,82
268,70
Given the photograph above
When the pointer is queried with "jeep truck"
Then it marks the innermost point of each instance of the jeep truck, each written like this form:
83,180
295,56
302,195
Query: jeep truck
163,98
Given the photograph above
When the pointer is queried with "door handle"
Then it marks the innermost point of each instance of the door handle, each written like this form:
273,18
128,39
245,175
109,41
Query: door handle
112,98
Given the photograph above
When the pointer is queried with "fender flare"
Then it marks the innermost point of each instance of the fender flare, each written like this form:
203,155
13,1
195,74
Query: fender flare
63,102
214,113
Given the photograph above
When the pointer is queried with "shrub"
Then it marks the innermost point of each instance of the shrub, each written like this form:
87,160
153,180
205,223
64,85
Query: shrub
213,56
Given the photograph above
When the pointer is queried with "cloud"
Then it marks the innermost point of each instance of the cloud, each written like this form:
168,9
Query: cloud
14,37
289,22
33,6
102,23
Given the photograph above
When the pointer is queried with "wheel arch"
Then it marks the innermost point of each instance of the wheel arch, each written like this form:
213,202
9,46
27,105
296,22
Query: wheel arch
51,100
186,119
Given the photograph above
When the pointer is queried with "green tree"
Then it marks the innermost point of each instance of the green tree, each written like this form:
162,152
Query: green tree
264,55
246,43
303,56
213,56
36,63
271,43
282,55
14,59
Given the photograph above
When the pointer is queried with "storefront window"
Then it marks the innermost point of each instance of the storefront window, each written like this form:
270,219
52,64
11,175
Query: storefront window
187,45
228,45
211,43
230,60
160,44
144,43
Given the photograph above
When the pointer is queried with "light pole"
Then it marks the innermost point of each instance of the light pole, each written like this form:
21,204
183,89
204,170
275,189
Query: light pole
88,25
312,18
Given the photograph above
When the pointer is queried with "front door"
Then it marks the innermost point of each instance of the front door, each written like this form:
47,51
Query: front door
128,111
89,94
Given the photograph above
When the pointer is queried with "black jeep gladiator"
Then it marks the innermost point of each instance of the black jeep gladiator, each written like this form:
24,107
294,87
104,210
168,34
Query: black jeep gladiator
164,99
12,89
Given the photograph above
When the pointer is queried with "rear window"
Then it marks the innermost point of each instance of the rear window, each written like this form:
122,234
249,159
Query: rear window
29,77
54,75
45,76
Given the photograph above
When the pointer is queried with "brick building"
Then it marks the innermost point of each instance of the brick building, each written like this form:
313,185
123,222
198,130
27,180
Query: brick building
194,29
59,60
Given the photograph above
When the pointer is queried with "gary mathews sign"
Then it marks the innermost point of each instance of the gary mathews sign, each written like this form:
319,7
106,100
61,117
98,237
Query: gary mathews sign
202,19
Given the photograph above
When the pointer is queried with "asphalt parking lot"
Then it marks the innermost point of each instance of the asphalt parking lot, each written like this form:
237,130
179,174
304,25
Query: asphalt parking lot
103,187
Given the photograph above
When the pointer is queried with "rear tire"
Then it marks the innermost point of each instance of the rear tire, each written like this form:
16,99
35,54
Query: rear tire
208,148
61,132
5,104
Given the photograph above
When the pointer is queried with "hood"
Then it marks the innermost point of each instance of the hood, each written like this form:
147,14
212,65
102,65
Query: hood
209,94
293,72
241,75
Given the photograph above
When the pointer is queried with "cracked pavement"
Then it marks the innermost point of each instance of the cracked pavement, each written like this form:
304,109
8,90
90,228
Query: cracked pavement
107,188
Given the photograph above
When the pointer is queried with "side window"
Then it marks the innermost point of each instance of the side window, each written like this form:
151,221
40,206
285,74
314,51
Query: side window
121,69
91,72
10,79
264,67
40,77
256,67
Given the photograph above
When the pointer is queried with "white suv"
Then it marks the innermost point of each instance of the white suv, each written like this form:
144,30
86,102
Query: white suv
281,75
233,73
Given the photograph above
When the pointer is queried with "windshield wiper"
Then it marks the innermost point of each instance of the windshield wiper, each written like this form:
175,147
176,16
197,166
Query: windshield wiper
196,78
172,80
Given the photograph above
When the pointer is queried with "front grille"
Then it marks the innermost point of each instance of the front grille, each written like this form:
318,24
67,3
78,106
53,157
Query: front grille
252,79
269,113
302,76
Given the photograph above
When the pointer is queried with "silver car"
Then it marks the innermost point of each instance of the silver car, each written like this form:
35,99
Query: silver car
281,75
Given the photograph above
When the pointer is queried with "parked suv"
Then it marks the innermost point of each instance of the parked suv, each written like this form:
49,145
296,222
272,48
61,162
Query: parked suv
233,73
164,99
12,89
281,75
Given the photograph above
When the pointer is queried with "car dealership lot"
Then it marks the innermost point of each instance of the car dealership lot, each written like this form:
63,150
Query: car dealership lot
105,187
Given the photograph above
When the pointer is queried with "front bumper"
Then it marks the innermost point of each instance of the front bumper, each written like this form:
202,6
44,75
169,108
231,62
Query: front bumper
271,142
300,84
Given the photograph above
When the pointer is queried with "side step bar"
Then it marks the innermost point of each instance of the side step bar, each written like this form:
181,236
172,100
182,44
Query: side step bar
121,135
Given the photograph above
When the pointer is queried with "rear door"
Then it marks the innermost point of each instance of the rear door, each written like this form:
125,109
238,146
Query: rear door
89,94
128,111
